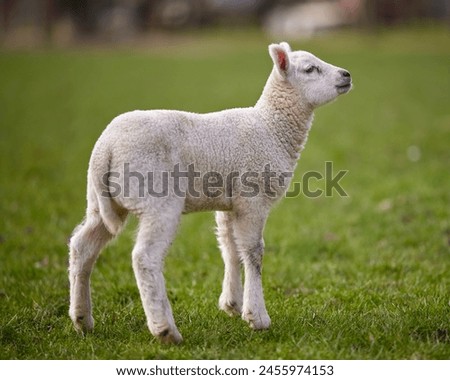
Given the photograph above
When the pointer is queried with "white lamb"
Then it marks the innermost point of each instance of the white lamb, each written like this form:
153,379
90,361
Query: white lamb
245,155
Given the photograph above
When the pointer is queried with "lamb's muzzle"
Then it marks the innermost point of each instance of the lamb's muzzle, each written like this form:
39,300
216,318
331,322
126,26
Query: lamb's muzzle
345,84
270,134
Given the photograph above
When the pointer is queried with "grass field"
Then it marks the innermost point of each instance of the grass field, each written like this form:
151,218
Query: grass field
361,277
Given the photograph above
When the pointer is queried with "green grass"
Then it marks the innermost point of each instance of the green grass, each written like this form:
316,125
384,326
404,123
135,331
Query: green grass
363,277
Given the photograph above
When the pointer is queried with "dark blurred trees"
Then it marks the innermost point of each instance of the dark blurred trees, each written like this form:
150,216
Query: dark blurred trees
119,18
398,11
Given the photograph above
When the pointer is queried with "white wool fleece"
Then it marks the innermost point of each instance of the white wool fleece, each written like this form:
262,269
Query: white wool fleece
244,141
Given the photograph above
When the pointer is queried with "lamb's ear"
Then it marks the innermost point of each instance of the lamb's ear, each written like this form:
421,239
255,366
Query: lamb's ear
286,46
280,57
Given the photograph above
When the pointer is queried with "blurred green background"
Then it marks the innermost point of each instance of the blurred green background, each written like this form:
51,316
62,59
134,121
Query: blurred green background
362,277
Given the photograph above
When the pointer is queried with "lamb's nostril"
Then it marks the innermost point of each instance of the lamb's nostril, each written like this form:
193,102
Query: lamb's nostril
345,73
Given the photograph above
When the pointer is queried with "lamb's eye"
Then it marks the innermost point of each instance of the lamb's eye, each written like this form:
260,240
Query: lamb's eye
310,69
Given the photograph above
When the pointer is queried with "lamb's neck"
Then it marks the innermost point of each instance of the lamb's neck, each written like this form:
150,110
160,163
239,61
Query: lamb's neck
281,107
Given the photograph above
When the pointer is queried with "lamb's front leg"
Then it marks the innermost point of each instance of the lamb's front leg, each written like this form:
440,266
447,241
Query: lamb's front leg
248,230
231,298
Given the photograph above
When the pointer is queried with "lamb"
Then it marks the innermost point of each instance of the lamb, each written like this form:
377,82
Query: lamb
182,151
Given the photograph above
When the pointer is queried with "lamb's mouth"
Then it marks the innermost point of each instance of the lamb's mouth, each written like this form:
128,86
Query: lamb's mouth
343,88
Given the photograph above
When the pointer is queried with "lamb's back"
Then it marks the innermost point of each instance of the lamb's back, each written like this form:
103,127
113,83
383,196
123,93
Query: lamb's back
206,140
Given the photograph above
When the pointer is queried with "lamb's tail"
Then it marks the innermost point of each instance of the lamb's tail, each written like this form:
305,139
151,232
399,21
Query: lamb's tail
99,196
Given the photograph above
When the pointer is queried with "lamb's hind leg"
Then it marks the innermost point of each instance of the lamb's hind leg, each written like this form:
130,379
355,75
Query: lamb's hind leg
155,235
230,300
85,245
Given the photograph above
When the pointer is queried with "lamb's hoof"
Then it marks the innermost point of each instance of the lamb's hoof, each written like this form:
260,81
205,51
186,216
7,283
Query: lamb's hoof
260,321
83,324
232,308
168,336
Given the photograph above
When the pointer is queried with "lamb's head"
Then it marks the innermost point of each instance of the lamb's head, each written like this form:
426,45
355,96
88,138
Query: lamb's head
316,81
